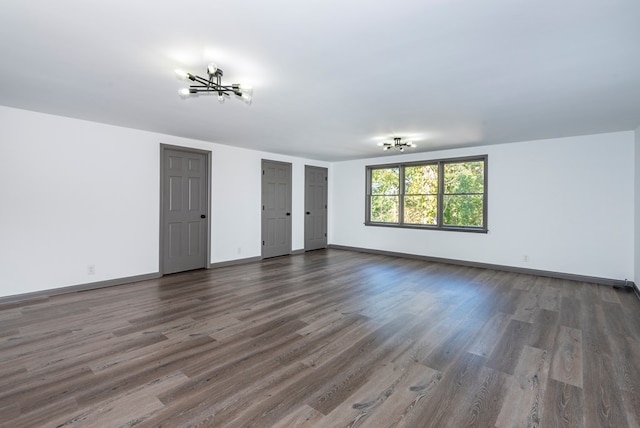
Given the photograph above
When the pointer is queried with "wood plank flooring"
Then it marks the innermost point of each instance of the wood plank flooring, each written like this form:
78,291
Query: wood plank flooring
330,338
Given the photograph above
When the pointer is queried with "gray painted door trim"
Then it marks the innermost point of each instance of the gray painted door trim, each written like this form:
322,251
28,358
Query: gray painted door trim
207,153
290,201
325,171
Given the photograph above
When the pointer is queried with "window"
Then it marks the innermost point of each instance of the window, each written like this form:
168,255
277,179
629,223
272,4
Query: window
385,195
448,194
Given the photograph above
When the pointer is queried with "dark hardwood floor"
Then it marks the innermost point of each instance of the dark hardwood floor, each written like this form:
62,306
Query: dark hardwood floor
326,339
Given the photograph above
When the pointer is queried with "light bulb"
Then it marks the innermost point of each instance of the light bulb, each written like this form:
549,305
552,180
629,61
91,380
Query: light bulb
181,74
221,98
244,92
247,98
184,92
380,144
211,69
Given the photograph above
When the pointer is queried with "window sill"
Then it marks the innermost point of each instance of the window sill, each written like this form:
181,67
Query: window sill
420,227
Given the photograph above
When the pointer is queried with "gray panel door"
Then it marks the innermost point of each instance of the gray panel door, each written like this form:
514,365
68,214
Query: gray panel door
184,205
315,206
276,208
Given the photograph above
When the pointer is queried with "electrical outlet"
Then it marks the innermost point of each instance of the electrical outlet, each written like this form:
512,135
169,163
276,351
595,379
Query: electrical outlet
91,270
525,258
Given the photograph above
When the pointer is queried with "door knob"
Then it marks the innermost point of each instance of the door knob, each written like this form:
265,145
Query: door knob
288,213
308,213
203,216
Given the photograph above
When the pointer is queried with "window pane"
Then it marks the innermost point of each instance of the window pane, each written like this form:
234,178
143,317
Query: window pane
447,193
421,180
464,177
421,209
385,181
385,209
462,210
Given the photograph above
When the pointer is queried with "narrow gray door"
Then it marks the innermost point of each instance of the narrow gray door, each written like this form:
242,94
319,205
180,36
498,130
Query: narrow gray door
184,210
276,208
315,206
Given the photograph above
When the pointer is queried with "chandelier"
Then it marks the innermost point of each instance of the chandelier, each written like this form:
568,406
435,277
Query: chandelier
213,86
396,145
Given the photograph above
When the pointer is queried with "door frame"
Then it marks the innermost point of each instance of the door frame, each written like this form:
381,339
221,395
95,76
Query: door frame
207,182
326,196
262,228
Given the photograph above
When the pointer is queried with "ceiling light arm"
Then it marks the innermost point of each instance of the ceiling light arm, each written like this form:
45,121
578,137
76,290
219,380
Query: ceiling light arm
209,85
212,88
213,85
397,144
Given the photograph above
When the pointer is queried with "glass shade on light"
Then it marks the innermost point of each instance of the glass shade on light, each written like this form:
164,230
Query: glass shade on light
185,92
244,92
247,93
212,68
246,89
246,98
182,74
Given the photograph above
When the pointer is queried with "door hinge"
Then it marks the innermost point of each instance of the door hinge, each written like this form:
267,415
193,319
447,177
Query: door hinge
262,242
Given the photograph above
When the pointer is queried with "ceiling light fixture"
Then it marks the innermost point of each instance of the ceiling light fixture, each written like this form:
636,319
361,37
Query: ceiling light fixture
213,85
397,144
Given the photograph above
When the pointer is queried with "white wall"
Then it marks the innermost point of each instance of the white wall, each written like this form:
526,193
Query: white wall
636,245
236,201
77,193
567,203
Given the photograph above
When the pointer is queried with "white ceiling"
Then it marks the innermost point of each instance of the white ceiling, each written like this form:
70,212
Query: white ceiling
330,76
